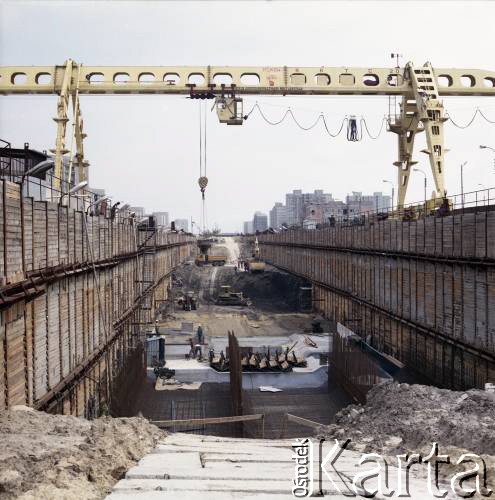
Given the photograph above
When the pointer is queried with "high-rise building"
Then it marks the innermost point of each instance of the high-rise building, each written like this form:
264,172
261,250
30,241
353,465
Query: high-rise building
382,201
278,216
294,205
311,209
247,227
162,219
260,222
294,211
182,224
359,203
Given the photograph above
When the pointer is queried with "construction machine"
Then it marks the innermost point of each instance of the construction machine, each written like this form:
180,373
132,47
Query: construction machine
255,264
214,260
227,297
417,90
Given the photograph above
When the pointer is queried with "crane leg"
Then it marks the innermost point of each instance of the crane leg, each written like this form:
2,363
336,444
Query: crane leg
430,111
406,126
61,120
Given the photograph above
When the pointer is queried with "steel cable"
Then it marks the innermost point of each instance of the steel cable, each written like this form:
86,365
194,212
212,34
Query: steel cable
290,112
355,134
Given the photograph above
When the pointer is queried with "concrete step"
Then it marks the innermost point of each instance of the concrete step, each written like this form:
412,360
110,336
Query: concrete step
209,467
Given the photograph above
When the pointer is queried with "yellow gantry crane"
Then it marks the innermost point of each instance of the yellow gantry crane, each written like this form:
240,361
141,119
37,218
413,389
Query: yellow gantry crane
419,88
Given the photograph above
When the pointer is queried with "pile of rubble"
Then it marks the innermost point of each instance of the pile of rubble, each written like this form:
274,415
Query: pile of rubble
403,418
54,457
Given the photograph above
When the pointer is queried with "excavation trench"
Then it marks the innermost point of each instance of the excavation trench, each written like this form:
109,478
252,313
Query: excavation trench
278,316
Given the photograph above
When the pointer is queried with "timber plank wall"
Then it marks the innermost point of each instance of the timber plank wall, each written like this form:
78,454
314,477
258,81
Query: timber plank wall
422,291
63,341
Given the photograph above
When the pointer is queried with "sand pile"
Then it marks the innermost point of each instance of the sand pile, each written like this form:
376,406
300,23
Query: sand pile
56,457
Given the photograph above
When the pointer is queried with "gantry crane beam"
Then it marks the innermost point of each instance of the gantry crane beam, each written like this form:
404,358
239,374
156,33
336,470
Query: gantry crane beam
270,80
420,89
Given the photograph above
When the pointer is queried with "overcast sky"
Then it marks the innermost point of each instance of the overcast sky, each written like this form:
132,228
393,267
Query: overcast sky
144,149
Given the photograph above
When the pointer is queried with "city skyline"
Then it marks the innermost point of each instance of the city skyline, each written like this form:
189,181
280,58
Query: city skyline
317,207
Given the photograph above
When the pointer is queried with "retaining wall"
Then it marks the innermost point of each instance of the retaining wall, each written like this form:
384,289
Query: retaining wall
76,292
421,291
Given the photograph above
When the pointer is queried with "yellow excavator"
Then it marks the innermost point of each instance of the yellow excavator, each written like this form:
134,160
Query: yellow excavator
256,265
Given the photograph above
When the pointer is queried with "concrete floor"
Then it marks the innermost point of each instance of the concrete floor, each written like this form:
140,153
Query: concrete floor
317,404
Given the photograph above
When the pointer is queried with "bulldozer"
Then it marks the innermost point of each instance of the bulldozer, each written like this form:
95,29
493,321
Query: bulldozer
255,264
226,297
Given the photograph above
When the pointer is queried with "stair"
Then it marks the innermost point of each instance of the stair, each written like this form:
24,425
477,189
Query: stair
193,467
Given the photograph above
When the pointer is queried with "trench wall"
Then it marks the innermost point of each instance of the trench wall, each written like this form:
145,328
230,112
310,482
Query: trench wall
76,292
421,291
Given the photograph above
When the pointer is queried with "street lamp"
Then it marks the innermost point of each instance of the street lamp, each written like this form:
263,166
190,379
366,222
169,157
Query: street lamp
422,171
462,182
97,203
393,192
39,168
74,190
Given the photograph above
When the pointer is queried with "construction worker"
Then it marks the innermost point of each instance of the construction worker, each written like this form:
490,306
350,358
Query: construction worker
198,352
192,351
200,334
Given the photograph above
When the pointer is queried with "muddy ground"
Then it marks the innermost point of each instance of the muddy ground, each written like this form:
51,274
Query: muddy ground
271,291
55,457
275,302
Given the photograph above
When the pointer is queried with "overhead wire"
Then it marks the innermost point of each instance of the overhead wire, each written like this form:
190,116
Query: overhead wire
471,121
371,136
354,129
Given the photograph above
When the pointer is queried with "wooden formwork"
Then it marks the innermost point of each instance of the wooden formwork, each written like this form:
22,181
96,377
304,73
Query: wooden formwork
422,291
69,322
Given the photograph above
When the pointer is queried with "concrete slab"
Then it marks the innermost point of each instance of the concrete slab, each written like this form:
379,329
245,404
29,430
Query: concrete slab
194,440
226,468
179,485
193,371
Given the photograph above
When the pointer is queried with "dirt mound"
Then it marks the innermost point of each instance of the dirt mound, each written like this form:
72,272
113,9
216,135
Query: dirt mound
401,418
272,290
52,457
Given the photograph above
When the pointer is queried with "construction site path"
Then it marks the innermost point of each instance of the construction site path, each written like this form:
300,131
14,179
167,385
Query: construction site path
214,468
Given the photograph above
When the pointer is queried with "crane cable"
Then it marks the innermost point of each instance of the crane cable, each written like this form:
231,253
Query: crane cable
354,129
203,180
